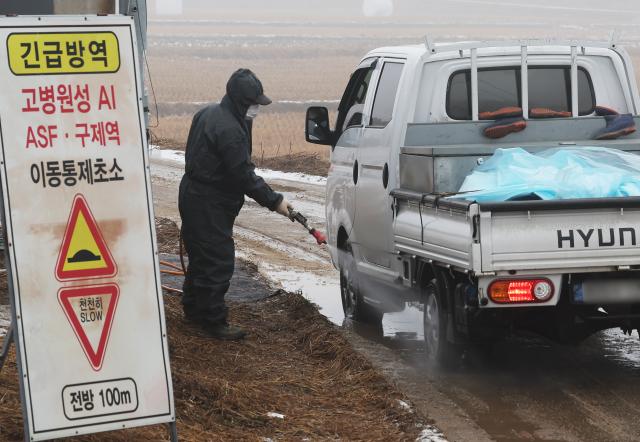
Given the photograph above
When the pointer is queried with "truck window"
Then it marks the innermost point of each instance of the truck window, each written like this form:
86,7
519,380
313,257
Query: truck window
352,104
386,94
356,106
559,98
549,87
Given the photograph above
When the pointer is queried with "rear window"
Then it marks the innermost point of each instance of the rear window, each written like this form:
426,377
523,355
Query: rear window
549,87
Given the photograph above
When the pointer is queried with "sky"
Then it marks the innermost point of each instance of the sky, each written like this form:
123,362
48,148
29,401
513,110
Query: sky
416,9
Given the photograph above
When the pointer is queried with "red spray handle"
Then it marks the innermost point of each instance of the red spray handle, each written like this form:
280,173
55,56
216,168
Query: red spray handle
319,236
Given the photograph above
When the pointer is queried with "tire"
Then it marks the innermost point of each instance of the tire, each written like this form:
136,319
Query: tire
353,306
439,350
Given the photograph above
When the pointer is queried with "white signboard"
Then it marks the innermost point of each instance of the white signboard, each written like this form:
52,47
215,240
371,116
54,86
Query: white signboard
92,343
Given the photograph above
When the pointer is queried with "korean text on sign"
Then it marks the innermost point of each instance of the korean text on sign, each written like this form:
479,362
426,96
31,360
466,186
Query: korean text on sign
63,53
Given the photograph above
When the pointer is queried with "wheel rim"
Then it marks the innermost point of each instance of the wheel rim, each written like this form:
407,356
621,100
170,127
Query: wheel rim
432,324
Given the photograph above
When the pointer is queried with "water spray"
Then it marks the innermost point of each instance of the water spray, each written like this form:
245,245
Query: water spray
299,217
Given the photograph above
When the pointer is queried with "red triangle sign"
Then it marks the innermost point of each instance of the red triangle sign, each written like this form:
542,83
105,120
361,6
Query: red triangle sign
90,312
84,253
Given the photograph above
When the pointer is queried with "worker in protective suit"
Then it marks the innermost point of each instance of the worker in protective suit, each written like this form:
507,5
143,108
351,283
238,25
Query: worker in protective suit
218,174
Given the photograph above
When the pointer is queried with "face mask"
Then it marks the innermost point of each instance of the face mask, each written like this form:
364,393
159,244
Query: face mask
252,112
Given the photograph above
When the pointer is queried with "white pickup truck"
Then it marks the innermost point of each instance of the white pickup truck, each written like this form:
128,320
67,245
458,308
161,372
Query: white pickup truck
407,134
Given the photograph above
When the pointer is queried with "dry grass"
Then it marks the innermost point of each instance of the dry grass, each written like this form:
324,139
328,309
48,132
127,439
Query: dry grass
274,135
311,164
167,234
294,362
191,65
182,78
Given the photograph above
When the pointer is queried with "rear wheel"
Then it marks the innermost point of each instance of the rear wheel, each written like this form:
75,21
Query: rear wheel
438,348
353,305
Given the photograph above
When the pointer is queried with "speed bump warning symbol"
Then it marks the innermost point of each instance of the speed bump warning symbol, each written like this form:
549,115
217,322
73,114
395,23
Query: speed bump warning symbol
84,252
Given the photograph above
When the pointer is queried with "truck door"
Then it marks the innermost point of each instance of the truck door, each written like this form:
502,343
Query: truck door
374,215
349,125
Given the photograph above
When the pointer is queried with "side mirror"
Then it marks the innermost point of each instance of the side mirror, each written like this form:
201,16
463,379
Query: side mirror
317,130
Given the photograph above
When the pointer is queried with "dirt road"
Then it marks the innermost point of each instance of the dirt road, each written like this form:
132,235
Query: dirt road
525,389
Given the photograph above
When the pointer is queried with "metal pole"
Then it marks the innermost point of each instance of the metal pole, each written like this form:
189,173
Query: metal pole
22,376
174,431
474,84
524,78
574,81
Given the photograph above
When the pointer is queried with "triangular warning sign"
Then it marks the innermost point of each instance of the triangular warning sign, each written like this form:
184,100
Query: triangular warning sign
90,312
84,253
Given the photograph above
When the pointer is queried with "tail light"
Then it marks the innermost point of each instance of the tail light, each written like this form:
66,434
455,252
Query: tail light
519,291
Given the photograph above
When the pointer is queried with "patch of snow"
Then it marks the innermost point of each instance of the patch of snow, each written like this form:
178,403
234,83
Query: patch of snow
275,415
5,319
297,177
431,434
176,158
404,405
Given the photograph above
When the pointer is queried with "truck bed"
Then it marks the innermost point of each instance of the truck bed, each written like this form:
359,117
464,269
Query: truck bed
563,236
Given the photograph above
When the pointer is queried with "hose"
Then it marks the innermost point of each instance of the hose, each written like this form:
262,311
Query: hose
177,271
184,268
171,289
173,266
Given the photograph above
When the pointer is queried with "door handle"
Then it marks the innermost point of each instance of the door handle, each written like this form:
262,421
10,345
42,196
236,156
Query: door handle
385,175
355,172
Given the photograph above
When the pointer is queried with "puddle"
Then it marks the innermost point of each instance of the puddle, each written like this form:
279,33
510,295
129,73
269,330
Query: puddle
325,293
404,325
621,348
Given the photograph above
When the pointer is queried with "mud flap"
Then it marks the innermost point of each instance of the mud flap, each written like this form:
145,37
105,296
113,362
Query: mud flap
445,283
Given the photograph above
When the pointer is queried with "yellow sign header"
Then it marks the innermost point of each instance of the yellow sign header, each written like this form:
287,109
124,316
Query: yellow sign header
63,53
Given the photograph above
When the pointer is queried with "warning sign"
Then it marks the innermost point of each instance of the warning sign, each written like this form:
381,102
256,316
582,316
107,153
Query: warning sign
90,330
90,312
84,253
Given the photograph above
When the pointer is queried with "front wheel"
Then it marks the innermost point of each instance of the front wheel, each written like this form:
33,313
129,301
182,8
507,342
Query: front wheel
353,305
438,348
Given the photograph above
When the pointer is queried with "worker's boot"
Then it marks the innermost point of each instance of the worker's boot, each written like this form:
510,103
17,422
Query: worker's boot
224,331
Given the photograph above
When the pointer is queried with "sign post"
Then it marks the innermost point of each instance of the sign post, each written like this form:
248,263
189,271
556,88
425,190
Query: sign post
84,276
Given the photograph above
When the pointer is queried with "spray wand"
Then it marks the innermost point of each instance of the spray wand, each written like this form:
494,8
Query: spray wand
299,217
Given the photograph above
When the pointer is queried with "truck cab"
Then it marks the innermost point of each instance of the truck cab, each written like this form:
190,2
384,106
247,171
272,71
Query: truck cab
409,130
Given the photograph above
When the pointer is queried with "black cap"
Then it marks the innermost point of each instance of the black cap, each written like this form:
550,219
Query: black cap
245,85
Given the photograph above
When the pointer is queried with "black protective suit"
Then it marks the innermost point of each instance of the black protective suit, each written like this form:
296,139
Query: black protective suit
218,174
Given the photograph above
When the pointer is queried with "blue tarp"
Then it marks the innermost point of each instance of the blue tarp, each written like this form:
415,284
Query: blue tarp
558,173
